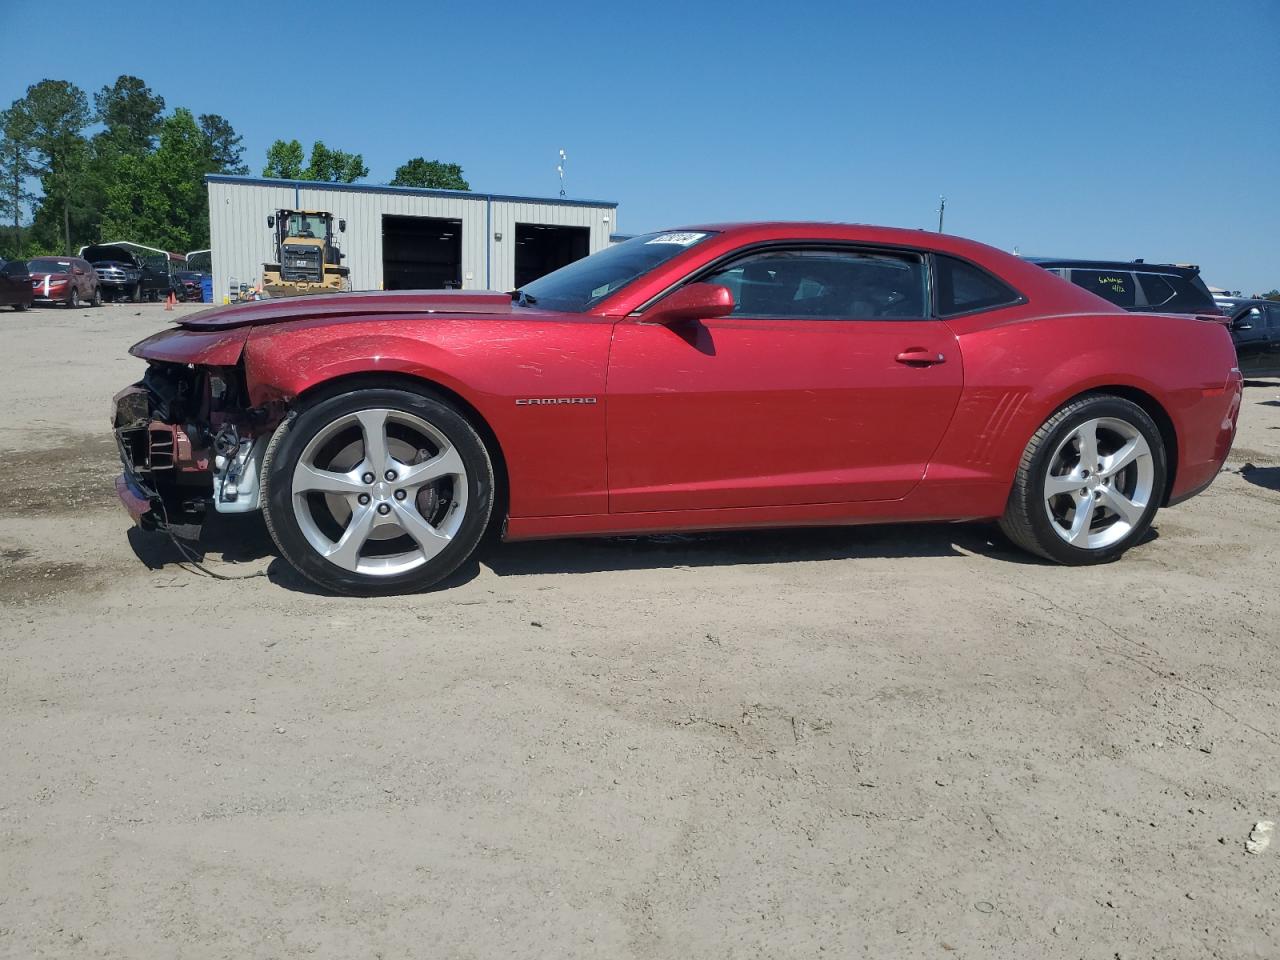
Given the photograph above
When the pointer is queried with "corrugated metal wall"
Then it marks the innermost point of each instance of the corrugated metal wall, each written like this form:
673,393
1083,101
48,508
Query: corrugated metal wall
506,214
242,242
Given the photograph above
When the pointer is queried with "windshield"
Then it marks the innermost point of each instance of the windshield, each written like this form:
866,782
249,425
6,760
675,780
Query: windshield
307,225
584,283
49,266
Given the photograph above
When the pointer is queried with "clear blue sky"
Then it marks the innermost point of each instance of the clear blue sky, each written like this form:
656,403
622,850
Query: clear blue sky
1116,129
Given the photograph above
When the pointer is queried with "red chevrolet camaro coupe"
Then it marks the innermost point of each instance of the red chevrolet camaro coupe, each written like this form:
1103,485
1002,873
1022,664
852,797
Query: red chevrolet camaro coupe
704,378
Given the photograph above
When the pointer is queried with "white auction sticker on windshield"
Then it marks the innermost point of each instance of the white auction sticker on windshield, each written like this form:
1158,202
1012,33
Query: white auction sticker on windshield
684,239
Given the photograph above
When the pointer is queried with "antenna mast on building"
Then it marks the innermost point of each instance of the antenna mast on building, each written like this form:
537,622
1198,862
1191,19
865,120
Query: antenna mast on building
942,206
560,170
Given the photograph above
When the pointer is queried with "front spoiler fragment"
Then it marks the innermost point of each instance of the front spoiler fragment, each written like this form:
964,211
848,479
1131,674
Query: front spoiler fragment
136,501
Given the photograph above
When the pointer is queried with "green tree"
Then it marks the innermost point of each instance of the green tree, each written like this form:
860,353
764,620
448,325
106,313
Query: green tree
284,160
56,113
131,113
1273,295
334,165
285,157
222,145
159,198
419,172
15,169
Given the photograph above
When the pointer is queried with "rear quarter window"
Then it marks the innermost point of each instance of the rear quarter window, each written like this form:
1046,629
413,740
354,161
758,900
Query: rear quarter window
963,288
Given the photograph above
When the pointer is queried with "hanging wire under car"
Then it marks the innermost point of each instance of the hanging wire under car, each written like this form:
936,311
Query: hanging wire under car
189,555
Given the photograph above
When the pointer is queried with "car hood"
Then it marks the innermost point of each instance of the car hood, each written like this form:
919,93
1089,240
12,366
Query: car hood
338,305
103,255
52,276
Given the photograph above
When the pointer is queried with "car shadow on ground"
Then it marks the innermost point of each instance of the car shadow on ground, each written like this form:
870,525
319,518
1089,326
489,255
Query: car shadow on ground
1267,477
229,542
234,546
732,548
224,539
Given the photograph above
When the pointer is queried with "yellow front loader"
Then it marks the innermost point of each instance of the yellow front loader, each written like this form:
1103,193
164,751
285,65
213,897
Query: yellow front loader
307,258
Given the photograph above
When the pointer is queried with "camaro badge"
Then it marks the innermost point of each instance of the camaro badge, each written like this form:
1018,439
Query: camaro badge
548,401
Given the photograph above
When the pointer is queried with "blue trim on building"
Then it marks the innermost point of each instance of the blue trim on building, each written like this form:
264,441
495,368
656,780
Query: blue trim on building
299,185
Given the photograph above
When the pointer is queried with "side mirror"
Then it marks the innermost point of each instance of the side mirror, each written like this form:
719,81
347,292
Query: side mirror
342,226
271,222
697,301
1245,320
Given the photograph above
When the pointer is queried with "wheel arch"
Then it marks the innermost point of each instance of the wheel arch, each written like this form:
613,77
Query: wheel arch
344,383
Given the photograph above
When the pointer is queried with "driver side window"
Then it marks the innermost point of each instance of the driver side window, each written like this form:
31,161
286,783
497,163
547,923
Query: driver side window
810,283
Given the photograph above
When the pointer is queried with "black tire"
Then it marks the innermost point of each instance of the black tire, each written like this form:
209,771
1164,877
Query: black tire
1027,520
299,429
21,307
97,297
135,293
73,299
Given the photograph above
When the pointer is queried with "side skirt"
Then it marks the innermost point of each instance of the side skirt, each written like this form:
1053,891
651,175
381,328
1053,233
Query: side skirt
950,502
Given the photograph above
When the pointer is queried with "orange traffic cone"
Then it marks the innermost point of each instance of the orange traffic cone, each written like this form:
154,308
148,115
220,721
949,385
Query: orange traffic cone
170,301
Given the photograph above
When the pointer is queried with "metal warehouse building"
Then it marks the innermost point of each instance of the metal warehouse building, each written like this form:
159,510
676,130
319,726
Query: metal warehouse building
401,238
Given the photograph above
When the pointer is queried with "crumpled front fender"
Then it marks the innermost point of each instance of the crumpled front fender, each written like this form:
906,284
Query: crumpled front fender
212,348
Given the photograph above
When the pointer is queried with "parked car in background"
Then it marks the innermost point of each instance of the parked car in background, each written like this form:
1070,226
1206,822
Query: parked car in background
160,275
125,275
1223,298
187,284
741,375
1137,286
69,281
1255,328
15,284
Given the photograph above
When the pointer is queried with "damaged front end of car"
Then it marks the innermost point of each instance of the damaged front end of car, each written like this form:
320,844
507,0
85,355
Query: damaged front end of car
188,437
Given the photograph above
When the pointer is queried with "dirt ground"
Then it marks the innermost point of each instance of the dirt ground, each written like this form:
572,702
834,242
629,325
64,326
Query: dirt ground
864,742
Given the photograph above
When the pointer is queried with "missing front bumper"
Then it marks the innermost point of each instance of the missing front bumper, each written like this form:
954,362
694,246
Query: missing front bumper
166,481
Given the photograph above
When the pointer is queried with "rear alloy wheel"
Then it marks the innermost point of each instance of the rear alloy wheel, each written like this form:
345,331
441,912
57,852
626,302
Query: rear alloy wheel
377,491
97,297
1089,483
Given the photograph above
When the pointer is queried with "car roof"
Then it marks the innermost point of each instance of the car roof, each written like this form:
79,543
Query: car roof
849,233
1035,284
105,250
1140,266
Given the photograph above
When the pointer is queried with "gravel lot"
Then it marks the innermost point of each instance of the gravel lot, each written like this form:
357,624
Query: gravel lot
878,741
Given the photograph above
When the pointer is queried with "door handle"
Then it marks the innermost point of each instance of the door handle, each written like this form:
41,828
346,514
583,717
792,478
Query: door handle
920,357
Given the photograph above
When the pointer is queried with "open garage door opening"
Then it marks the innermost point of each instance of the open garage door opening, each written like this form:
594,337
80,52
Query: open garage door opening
421,253
541,249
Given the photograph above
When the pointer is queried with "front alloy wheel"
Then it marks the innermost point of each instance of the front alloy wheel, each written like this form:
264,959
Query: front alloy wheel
377,491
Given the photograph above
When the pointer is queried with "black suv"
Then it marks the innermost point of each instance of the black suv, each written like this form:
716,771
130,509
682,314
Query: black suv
15,284
126,276
1255,328
1138,286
